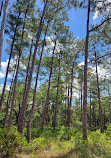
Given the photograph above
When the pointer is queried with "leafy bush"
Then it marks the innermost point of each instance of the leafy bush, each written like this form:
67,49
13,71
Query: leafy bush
108,131
9,141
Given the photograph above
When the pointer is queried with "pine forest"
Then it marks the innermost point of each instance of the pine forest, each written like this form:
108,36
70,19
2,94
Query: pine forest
55,78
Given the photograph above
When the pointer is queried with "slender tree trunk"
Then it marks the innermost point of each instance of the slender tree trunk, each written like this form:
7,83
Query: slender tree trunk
6,76
85,77
56,105
90,123
9,97
28,69
24,102
66,104
70,103
109,105
15,81
3,27
81,103
47,97
110,112
33,104
99,99
94,117
1,7
104,118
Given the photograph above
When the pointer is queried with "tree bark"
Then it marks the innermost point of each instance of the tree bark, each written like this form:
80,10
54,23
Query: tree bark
99,99
85,77
70,103
24,102
6,76
56,105
3,27
1,8
109,106
19,56
28,69
90,122
66,104
81,103
33,104
47,97
9,97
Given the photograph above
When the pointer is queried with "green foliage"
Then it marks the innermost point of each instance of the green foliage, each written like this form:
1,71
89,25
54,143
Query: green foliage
10,141
108,131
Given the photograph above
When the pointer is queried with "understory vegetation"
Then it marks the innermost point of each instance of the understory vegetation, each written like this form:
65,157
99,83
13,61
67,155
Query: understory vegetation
60,142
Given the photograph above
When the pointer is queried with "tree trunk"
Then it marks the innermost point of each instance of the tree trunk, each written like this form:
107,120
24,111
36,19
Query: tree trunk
3,27
81,103
70,103
104,118
85,77
109,105
24,102
6,76
9,97
47,97
28,69
99,99
56,105
33,104
15,81
90,110
66,104
1,8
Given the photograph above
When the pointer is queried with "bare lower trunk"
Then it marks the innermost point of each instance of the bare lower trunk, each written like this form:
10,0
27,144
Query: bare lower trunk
104,118
28,69
9,98
33,104
56,105
1,8
47,97
24,102
90,110
15,81
70,103
109,105
6,76
99,99
85,78
81,103
2,30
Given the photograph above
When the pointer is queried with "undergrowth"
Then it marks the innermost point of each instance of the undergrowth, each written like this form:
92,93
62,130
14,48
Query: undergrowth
61,142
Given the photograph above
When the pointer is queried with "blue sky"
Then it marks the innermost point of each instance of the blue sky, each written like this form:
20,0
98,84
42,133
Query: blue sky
77,24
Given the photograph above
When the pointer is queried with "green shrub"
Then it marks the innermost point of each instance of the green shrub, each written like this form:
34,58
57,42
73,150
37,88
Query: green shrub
9,140
108,131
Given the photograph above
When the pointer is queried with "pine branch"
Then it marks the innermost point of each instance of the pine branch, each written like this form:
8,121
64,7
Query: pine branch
98,58
96,27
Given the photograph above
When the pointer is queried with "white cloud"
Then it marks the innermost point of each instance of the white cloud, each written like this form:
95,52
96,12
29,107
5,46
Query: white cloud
100,5
1,75
50,46
4,68
7,87
95,15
